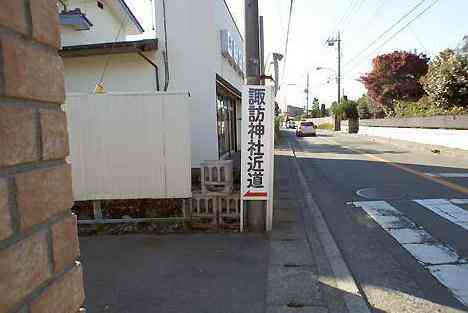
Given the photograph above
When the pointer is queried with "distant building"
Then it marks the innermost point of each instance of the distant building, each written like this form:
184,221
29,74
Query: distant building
294,111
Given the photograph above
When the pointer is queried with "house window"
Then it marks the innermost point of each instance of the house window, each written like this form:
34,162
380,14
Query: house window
226,124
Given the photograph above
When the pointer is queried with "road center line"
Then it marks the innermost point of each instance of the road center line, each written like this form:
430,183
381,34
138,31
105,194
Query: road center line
405,168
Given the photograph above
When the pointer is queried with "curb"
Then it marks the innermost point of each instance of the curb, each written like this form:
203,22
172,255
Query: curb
352,297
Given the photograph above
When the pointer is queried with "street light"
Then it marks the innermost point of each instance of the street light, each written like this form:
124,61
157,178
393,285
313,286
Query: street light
319,68
277,57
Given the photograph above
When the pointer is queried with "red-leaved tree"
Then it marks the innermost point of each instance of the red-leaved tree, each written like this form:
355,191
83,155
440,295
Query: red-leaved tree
395,76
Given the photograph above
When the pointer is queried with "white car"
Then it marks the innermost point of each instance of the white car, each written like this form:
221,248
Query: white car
305,128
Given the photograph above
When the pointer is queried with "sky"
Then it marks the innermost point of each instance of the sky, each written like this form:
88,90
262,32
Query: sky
360,22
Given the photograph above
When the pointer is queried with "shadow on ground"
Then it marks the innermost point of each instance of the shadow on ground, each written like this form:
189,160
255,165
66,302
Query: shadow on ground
208,273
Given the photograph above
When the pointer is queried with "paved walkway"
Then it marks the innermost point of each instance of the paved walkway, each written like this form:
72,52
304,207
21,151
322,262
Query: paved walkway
203,273
300,278
220,273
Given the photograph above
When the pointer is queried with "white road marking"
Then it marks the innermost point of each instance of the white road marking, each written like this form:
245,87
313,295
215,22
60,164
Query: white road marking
408,235
453,277
459,201
441,261
447,210
392,222
432,254
448,175
385,215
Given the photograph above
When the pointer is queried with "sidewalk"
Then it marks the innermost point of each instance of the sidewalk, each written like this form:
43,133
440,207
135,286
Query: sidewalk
205,273
300,276
223,273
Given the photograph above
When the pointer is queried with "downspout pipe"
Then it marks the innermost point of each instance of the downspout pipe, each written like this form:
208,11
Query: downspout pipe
156,68
165,53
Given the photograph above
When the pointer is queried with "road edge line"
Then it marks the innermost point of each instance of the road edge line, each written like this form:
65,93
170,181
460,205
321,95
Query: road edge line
352,295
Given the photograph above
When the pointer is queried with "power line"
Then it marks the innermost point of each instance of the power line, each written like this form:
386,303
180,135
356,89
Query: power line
418,40
354,58
343,17
356,8
399,31
377,10
348,12
287,38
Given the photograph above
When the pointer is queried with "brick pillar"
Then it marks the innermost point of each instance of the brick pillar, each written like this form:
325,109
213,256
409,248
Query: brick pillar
38,238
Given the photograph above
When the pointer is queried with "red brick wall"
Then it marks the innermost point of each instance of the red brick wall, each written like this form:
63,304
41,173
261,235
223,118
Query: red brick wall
38,239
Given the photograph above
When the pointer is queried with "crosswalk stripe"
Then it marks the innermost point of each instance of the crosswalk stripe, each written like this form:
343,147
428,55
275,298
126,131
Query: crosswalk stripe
446,209
459,201
441,261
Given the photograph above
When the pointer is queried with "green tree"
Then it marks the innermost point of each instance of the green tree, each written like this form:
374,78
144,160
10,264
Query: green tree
446,82
334,108
349,109
363,107
315,108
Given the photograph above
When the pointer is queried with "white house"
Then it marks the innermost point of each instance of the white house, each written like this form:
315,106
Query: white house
202,54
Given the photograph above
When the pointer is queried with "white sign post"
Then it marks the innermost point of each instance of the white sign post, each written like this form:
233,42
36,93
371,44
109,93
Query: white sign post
257,149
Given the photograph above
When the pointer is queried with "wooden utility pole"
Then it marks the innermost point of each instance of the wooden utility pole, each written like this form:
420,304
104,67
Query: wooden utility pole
252,42
339,67
331,42
262,50
256,209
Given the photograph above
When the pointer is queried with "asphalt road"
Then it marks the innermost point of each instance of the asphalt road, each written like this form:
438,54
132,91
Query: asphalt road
406,251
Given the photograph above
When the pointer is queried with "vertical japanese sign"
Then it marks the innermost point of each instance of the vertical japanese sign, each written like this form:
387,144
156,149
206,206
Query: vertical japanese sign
257,143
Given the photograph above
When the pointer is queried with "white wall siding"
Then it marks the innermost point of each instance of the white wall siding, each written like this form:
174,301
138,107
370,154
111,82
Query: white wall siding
440,137
224,21
125,73
107,24
130,146
194,60
192,47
